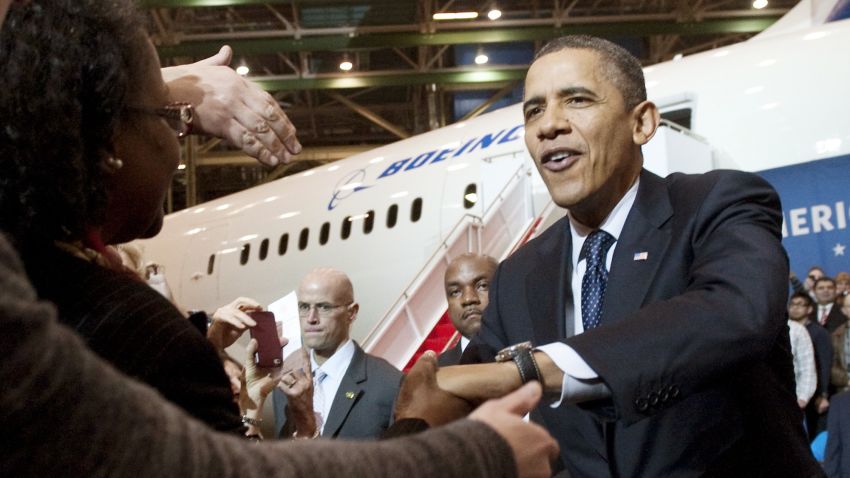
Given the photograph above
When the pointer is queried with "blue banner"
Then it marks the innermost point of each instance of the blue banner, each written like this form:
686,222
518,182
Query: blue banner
816,211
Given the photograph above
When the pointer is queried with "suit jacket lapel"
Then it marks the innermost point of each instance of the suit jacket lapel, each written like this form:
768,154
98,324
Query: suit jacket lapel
643,232
547,289
348,393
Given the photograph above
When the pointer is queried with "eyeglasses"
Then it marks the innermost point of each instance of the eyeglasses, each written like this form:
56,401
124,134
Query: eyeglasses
324,309
178,115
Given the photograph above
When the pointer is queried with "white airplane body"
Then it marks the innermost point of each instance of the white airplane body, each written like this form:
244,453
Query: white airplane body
764,103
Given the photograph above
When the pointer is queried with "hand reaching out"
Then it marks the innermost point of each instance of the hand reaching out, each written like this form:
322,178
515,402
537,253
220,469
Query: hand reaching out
533,447
421,397
231,107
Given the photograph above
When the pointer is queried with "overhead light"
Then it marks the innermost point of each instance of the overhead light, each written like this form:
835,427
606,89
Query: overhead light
678,56
181,166
494,14
242,70
471,197
759,4
345,65
455,16
481,58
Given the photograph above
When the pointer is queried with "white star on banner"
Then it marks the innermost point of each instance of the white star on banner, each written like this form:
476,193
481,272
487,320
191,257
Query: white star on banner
838,249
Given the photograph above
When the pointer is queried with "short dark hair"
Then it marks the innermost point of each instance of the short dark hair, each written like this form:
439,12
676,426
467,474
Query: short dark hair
802,295
620,66
824,279
67,68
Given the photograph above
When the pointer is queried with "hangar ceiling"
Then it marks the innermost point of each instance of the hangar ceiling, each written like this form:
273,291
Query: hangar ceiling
410,73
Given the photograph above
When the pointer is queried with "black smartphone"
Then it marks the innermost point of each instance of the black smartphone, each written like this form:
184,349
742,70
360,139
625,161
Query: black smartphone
269,353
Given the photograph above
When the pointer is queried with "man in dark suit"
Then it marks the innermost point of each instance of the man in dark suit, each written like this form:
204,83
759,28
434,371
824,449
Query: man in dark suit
467,283
351,393
828,314
657,306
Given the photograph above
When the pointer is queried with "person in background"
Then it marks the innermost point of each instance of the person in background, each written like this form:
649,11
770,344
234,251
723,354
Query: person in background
807,286
805,371
842,283
801,310
825,311
467,283
352,392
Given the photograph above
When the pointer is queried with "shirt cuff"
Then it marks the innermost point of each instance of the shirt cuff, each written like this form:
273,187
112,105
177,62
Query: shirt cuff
581,383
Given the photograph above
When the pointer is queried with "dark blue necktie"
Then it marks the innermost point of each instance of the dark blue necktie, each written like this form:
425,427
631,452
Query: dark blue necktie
595,278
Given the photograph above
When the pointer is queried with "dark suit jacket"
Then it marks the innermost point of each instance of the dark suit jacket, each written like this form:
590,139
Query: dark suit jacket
837,457
835,319
450,356
693,343
363,405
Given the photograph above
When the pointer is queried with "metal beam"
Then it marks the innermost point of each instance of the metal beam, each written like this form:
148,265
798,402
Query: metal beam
371,116
489,102
283,41
469,75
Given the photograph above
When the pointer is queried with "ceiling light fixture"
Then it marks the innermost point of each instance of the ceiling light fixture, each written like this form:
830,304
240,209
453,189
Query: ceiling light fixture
494,14
455,16
346,64
481,58
242,70
759,4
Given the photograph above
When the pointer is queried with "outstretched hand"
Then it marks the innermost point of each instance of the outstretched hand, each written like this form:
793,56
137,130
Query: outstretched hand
534,448
421,397
231,107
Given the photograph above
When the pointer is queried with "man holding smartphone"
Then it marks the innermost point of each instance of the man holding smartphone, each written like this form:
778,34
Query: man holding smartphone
352,392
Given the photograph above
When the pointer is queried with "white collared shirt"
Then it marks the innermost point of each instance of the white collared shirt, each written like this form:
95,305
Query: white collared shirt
335,368
463,343
580,381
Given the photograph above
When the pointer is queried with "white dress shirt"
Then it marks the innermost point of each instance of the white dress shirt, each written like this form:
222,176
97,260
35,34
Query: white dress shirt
581,382
803,354
335,368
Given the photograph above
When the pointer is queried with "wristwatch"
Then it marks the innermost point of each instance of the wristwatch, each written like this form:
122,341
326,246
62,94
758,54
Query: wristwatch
523,356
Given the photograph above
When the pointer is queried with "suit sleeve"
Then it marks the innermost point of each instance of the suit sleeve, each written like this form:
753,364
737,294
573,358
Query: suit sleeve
728,314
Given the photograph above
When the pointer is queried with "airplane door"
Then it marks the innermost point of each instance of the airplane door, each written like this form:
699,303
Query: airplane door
200,277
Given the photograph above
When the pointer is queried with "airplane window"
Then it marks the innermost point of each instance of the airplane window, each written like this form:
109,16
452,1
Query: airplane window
324,233
211,264
246,251
346,227
369,222
416,210
302,239
470,196
681,117
264,249
392,216
282,244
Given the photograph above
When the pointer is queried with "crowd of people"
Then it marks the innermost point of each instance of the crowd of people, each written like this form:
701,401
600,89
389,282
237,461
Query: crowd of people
818,314
645,332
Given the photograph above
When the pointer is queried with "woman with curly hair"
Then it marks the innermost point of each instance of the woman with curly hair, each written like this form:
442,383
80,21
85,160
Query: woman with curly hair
88,147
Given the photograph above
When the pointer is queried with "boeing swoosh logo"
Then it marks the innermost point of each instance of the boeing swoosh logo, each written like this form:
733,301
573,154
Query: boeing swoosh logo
348,185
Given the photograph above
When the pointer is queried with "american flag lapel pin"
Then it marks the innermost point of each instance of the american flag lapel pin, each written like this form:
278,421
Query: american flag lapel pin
641,256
